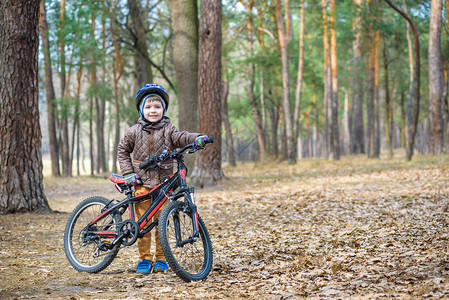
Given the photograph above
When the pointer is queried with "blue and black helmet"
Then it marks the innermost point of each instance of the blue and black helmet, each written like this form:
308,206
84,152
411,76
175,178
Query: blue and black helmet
152,89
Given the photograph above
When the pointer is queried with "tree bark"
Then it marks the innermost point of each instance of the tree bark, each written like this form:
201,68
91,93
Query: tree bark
388,105
142,61
49,93
227,126
117,68
435,143
370,99
65,151
358,132
300,72
335,131
376,145
21,179
250,88
207,169
346,131
283,42
417,76
327,78
185,59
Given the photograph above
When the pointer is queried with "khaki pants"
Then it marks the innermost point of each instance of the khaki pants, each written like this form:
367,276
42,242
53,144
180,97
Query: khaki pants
144,244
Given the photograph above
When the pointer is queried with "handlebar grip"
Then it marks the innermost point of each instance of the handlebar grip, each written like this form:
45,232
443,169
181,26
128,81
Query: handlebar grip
210,140
145,164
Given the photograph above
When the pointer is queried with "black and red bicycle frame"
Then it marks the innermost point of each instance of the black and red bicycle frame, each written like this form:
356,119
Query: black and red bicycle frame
167,190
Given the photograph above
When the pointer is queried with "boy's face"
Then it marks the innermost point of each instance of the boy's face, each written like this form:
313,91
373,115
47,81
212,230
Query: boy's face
153,110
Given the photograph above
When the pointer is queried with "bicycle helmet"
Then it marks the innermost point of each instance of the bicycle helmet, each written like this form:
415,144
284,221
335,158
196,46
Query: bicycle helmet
152,89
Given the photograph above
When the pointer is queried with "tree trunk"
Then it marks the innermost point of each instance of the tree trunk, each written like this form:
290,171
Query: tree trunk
65,155
388,105
358,132
283,42
300,72
117,68
435,143
346,131
142,61
335,131
207,169
93,80
21,179
376,145
370,100
227,126
50,93
250,88
327,78
185,59
417,76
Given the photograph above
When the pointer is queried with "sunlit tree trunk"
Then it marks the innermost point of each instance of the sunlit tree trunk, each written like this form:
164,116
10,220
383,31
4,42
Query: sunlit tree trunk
300,72
435,143
358,133
327,78
21,179
283,42
207,169
49,93
334,128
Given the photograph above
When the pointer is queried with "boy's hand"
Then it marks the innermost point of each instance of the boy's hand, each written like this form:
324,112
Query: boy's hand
201,141
131,179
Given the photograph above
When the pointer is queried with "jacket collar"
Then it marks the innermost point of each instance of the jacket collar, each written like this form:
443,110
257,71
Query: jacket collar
156,125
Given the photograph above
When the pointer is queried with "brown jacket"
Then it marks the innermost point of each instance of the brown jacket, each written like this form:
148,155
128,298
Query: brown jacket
144,140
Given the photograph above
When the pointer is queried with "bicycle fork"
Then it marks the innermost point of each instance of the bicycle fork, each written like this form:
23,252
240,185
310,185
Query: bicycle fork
191,209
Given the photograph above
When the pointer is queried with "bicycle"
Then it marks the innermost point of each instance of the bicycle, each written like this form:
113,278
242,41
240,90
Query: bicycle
95,230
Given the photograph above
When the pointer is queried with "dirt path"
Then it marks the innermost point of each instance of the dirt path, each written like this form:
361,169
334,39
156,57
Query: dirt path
351,229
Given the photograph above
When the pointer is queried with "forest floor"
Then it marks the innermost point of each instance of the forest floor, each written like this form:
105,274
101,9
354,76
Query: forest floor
356,228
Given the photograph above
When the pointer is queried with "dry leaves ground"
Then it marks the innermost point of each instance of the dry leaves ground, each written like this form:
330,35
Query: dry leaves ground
356,228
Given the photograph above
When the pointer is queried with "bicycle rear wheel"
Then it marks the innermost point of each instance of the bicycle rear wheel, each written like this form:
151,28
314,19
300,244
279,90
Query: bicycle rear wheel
82,247
191,261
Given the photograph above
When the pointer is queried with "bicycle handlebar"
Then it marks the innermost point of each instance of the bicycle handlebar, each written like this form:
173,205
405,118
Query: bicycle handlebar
165,155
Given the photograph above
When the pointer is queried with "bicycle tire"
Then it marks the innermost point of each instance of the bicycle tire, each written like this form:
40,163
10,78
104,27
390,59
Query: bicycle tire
188,269
82,254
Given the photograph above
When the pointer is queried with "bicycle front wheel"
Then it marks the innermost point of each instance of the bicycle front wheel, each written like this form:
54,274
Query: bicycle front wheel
191,261
86,251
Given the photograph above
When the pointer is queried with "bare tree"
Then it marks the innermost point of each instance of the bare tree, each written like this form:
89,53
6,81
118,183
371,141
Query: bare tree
21,179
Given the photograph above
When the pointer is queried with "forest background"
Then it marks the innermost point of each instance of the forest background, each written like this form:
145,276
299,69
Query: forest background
98,62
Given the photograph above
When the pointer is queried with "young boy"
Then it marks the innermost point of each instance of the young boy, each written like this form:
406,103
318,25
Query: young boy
150,136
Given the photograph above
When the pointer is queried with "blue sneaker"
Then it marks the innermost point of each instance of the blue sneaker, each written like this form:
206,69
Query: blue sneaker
144,267
160,266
